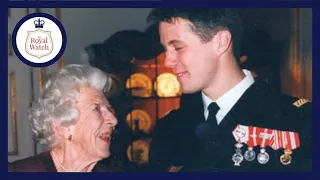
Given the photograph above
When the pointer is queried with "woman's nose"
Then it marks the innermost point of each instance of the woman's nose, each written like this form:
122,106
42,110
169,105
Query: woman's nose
110,118
113,120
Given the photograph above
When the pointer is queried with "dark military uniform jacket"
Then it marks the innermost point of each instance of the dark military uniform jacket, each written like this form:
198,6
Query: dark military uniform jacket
175,143
44,163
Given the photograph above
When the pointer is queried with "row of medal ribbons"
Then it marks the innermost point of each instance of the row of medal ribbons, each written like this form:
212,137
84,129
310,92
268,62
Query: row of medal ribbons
263,137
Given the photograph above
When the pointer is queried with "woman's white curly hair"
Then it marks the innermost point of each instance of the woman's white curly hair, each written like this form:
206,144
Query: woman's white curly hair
58,97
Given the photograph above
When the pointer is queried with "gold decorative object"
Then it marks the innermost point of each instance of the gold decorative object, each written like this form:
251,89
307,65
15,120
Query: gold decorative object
141,118
167,85
286,158
13,114
140,152
140,85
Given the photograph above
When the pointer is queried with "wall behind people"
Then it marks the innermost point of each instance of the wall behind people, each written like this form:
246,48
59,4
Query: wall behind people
87,26
265,33
291,33
296,75
20,142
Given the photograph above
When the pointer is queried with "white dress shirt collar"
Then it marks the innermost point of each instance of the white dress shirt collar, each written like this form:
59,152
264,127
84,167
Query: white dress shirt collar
229,99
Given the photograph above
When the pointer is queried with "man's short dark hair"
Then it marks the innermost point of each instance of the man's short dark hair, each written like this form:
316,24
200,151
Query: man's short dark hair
206,22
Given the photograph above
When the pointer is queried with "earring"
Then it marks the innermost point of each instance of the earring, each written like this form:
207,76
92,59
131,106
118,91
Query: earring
70,138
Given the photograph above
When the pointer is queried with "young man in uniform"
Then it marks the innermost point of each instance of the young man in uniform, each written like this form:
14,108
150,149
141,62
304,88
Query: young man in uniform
227,121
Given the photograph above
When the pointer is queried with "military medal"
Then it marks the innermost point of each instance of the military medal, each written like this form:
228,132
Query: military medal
264,138
285,158
240,133
250,155
263,156
237,157
293,142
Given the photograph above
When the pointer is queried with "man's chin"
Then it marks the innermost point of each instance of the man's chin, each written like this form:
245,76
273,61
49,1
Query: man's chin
189,91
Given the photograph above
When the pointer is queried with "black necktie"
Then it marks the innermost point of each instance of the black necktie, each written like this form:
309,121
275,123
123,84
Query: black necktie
209,140
213,109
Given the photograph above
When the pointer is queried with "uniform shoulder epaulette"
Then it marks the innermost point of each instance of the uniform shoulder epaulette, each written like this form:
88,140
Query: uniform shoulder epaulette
301,102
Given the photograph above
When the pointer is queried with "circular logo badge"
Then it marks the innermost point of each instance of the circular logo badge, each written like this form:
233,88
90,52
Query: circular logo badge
39,40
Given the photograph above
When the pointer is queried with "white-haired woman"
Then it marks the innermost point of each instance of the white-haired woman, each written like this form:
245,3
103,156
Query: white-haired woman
74,120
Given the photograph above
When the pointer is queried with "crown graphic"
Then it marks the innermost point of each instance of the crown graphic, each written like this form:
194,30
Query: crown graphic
38,23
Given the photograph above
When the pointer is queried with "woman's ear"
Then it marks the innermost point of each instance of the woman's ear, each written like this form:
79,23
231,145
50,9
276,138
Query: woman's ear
65,132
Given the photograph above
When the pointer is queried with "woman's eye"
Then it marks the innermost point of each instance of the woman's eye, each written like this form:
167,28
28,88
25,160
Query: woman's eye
97,108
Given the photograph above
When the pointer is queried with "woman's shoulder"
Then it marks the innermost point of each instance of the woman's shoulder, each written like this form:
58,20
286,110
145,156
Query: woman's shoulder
29,164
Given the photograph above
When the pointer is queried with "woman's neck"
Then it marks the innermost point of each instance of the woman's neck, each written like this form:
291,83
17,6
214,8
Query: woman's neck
71,160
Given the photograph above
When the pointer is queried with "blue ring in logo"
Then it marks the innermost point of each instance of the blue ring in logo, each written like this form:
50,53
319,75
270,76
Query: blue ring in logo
14,43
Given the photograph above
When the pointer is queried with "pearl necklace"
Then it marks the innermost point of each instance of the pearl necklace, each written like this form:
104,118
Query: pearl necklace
55,157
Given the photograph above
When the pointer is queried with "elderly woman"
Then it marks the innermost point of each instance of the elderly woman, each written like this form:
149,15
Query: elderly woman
74,120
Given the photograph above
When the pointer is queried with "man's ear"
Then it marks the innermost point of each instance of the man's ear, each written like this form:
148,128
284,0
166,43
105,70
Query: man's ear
223,38
63,131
